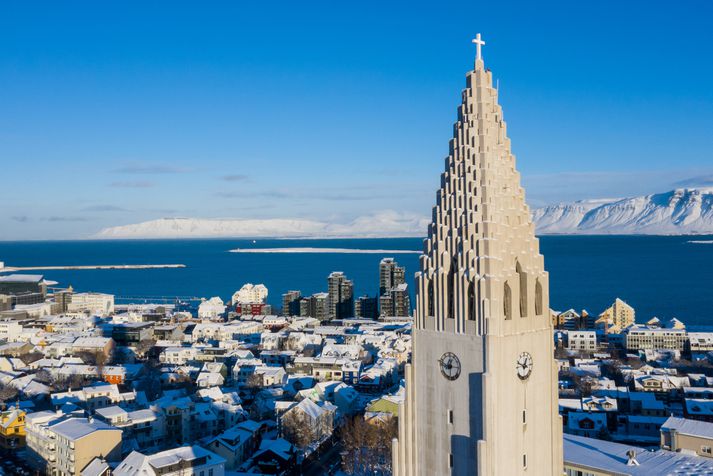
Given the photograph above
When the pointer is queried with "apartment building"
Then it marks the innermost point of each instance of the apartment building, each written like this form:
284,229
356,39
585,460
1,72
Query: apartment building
65,446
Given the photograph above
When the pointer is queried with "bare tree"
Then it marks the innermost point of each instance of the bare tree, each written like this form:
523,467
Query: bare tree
254,381
297,429
8,393
144,347
367,446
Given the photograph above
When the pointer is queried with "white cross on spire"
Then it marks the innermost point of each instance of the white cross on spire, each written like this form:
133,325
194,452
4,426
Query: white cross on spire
478,45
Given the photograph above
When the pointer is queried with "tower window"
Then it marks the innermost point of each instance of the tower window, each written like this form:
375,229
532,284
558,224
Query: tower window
538,297
450,460
471,302
523,289
452,288
524,417
524,461
450,416
507,301
430,299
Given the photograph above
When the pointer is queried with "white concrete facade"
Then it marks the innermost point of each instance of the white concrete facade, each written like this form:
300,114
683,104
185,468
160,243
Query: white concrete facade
482,295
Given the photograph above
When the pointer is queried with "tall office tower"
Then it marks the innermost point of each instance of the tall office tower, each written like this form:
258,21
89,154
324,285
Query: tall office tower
390,275
291,303
366,307
481,391
341,296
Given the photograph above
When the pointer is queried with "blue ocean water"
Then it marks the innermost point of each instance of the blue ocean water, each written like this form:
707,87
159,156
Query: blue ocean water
663,276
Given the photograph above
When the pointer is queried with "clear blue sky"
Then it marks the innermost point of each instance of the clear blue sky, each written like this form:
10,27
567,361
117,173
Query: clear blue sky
119,112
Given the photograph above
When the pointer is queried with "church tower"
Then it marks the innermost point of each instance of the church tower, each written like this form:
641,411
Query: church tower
481,391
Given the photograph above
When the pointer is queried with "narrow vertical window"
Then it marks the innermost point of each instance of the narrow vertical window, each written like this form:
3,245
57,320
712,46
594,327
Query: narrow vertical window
523,289
524,461
471,301
452,288
450,460
430,298
538,297
524,417
507,301
450,416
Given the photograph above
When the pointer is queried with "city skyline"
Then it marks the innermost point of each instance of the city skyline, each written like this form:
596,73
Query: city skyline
123,116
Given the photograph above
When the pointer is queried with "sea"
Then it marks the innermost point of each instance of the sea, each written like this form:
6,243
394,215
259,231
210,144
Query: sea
663,276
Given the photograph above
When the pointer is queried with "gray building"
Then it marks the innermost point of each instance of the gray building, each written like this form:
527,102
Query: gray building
366,307
390,275
24,288
291,303
395,302
317,306
341,296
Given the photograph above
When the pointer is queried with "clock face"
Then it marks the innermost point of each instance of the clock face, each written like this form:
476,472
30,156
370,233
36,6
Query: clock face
450,366
524,366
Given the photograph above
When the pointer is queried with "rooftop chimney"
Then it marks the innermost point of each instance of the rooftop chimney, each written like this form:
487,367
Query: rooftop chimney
631,455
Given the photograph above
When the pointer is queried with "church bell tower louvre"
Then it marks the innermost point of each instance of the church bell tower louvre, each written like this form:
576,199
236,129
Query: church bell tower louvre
481,389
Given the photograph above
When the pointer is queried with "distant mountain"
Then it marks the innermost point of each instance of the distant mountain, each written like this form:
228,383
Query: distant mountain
678,212
379,225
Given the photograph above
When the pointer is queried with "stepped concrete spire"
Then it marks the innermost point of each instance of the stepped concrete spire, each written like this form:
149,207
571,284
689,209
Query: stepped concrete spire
482,386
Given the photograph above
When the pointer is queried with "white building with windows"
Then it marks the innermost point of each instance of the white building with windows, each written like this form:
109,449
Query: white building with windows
250,294
585,341
654,338
211,309
96,303
10,331
182,461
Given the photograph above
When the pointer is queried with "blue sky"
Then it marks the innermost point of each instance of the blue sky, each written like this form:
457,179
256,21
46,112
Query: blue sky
120,112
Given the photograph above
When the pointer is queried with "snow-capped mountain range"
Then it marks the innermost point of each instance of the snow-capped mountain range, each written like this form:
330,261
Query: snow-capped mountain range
678,212
378,225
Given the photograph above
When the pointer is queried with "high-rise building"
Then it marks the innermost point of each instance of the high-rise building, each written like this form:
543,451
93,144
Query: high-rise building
390,275
341,296
366,307
291,303
395,302
386,305
305,307
481,391
401,300
317,306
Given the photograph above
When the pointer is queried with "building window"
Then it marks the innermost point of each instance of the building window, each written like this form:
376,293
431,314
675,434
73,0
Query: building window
452,289
706,450
523,289
524,461
507,301
471,302
450,416
450,460
538,297
524,417
430,298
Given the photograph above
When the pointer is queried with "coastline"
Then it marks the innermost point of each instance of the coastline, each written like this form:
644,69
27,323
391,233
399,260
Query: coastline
322,250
